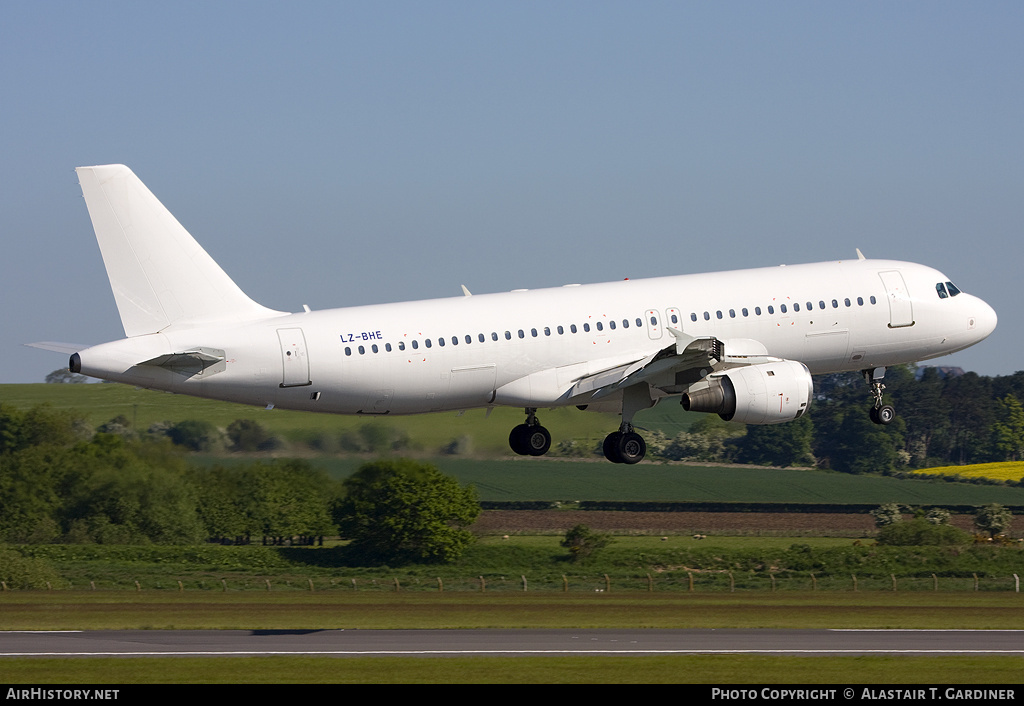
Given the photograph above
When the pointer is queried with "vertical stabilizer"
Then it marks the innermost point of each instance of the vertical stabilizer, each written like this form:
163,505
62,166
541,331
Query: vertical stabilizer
159,274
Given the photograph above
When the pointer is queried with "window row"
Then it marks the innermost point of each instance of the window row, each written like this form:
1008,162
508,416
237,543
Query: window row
784,308
414,344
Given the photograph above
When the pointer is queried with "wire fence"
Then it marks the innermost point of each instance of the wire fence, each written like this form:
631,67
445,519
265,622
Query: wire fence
674,582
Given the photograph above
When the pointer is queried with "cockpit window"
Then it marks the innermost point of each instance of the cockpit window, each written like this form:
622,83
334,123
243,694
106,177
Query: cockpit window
940,288
953,291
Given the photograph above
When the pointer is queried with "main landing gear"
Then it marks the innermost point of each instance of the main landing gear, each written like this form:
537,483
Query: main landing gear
880,413
530,439
625,446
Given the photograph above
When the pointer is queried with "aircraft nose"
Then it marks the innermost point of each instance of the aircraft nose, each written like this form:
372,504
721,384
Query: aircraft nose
983,320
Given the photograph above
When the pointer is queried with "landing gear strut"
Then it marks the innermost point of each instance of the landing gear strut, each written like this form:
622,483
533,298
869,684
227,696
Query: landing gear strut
625,445
530,439
880,413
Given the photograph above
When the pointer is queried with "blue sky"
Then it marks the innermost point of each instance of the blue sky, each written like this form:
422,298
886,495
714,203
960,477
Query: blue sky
338,153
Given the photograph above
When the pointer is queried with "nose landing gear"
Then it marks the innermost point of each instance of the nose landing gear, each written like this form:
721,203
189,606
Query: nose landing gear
880,413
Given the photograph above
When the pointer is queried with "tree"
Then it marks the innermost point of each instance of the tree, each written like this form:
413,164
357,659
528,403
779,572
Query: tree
582,542
63,375
994,519
401,511
249,435
778,444
887,514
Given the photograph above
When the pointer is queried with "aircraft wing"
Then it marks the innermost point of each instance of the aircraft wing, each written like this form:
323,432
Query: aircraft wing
670,369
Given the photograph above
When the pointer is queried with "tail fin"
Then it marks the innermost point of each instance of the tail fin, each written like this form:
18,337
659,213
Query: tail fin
160,275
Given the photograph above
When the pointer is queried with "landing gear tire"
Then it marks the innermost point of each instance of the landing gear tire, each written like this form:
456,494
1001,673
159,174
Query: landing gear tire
611,447
530,440
883,415
632,448
624,447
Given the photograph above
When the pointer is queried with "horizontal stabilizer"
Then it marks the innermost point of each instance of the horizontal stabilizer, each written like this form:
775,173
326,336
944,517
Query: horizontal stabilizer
56,347
200,361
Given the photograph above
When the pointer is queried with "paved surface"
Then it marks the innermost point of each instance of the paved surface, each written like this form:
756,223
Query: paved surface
355,643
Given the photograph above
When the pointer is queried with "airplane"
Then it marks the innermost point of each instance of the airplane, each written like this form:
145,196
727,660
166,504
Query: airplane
741,344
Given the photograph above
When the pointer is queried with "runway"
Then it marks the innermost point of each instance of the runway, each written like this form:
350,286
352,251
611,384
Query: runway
451,643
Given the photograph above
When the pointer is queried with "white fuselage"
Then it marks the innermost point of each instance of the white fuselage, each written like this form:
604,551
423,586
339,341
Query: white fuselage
526,348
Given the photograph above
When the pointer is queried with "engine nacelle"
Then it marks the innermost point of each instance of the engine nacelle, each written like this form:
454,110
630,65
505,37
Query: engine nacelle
767,393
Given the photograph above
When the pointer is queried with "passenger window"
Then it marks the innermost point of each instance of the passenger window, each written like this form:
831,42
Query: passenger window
796,306
426,342
572,327
693,316
835,304
522,334
508,335
362,351
547,330
821,305
847,301
440,342
533,332
625,323
600,326
561,331
387,347
586,327
810,306
611,324
860,301
732,313
639,323
415,344
771,309
745,312
675,319
401,345
348,350
757,310
374,348
707,316
455,340
873,300
782,308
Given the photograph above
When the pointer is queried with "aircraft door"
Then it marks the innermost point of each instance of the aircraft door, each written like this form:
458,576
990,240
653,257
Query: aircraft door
901,308
294,362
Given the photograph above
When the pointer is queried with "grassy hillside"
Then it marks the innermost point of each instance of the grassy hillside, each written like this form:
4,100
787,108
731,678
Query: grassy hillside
504,476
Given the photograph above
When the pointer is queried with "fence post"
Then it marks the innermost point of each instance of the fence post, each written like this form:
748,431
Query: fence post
854,582
483,585
935,582
607,584
1016,583
398,586
310,581
975,581
814,583
893,577
690,574
565,584
772,577
650,584
440,585
523,576
732,583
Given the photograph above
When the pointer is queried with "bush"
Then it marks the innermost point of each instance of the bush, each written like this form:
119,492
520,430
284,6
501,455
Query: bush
921,532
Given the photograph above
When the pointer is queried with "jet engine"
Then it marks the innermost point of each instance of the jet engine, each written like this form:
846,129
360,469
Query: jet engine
766,393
